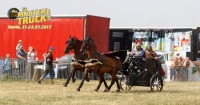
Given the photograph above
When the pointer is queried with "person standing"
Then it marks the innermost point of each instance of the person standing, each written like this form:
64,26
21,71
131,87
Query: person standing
30,62
185,67
49,66
18,45
174,68
7,66
179,72
21,60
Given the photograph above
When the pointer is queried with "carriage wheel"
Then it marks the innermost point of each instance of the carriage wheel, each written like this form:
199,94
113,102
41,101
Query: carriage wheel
123,84
156,83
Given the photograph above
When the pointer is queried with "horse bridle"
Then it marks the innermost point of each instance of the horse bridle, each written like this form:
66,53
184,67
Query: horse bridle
70,43
86,44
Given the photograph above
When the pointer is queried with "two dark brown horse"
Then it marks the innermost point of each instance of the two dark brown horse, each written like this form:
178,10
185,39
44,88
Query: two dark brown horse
110,65
75,44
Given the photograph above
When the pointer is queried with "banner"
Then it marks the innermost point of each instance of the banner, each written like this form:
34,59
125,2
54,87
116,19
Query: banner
39,35
172,41
182,41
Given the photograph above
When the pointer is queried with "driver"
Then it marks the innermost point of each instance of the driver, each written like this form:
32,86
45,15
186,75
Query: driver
138,53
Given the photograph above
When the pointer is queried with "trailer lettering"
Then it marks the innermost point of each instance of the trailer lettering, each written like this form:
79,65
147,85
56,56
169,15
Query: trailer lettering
14,27
33,16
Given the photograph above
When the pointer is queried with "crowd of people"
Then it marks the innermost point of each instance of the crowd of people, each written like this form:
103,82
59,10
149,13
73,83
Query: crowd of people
26,62
179,68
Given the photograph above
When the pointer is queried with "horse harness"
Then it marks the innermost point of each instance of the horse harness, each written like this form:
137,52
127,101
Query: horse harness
100,58
80,59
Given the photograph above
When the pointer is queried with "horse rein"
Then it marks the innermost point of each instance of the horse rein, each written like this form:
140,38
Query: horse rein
95,55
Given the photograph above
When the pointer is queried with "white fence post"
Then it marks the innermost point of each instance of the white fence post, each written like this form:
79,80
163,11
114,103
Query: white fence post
56,69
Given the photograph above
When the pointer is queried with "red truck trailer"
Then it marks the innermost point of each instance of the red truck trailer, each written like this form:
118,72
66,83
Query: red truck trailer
55,32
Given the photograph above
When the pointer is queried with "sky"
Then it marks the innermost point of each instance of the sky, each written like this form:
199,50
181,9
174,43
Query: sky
122,13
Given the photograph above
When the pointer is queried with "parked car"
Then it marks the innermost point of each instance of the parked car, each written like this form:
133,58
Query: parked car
64,66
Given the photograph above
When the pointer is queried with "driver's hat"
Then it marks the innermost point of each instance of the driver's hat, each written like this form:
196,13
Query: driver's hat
138,44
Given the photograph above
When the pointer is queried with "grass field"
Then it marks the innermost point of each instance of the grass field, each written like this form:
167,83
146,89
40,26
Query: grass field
31,93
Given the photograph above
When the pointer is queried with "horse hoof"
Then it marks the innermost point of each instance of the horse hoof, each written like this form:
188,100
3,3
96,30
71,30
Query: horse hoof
118,90
73,80
106,90
65,85
39,82
95,90
87,79
78,90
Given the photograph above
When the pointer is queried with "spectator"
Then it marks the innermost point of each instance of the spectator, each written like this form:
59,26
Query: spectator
31,54
7,66
49,66
21,60
185,67
18,45
173,69
30,65
179,71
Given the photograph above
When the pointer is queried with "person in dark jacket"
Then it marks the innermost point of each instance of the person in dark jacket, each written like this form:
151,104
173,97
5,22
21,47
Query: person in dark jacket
21,61
49,66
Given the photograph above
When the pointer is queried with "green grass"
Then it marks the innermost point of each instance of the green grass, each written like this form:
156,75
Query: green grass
31,93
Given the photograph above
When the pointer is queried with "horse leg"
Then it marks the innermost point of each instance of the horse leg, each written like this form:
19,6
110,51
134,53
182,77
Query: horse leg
105,83
101,79
112,82
118,86
81,84
89,75
68,79
107,90
73,76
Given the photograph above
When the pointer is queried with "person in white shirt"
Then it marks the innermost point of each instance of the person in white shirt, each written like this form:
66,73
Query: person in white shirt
31,54
30,65
18,45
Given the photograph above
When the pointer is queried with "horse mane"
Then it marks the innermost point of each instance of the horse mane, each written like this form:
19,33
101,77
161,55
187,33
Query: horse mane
80,42
94,44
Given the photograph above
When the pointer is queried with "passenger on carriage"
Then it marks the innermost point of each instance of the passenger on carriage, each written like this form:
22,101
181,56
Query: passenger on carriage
150,53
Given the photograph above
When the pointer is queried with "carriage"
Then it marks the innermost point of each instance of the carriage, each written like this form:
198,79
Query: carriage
138,72
141,72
